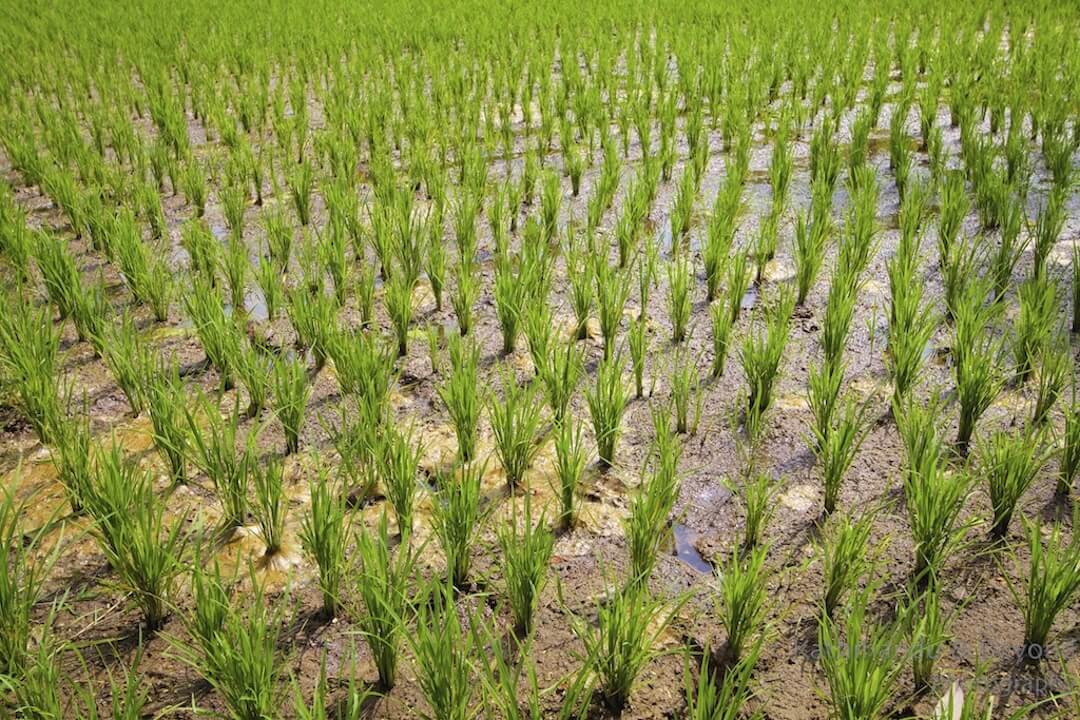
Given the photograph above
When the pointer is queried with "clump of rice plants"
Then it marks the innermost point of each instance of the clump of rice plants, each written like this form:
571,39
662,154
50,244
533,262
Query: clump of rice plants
1053,369
742,600
758,496
975,351
22,578
811,241
461,395
1010,462
647,526
397,458
761,354
291,393
440,645
271,505
607,403
680,282
515,424
526,552
930,632
168,412
722,321
214,445
1069,462
560,376
612,292
1034,324
845,557
862,660
323,534
1052,582
836,449
622,642
383,587
30,344
570,461
457,519
723,698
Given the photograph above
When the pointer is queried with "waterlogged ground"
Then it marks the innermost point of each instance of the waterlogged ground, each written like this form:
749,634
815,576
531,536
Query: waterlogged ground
590,559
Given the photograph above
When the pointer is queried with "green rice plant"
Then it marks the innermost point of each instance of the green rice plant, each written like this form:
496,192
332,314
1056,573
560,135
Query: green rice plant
579,271
839,312
560,376
38,693
301,182
240,660
760,355
721,320
128,358
501,675
271,505
526,551
537,325
143,551
607,403
575,166
612,291
738,282
686,396
934,495
457,519
1054,368
440,645
764,248
397,459
291,393
233,205
929,635
1010,462
1052,582
758,496
383,587
70,454
550,204
323,533
203,249
979,378
1034,324
1069,462
364,365
462,396
59,272
255,370
22,583
823,384
718,241
680,283
91,315
720,696
509,292
647,527
811,241
742,600
399,307
167,408
845,557
622,642
279,239
570,461
466,293
1047,229
954,207
313,316
194,186
683,208
861,661
214,445
1010,248
515,425
637,340
217,333
236,268
836,450
912,323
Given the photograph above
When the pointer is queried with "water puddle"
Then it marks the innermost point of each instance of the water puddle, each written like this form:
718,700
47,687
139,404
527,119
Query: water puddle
686,552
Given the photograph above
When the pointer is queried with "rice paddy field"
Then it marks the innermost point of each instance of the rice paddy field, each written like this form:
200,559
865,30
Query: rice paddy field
485,359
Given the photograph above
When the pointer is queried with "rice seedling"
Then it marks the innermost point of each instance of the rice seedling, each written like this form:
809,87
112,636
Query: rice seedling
1055,365
811,241
570,461
930,632
637,340
560,376
515,424
167,408
466,293
862,661
760,355
723,698
623,641
440,645
1010,462
1046,230
214,449
240,660
271,506
647,527
1034,324
742,600
955,206
236,268
457,519
323,533
738,281
526,552
976,350
291,393
1051,584
38,693
399,306
255,370
845,557
462,397
312,315
70,454
839,313
758,496
607,403
383,587
680,283
30,344
912,323
836,449
612,291
216,331
22,584
686,396
194,186
301,182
